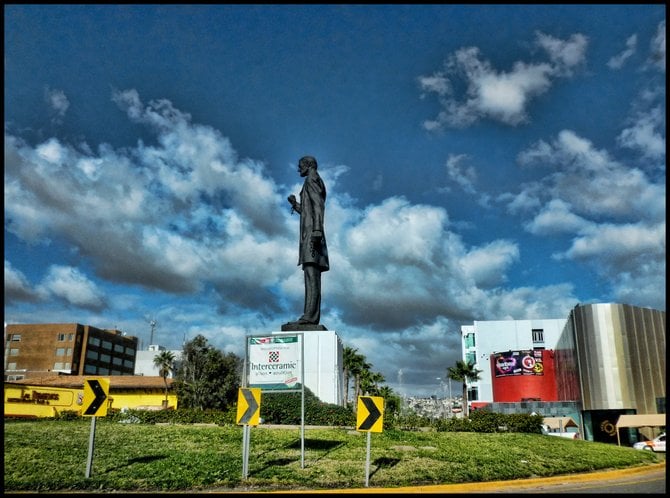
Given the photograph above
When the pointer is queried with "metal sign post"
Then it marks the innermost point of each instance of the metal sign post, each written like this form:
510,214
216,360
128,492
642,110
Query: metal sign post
94,403
248,413
370,418
91,445
276,365
367,462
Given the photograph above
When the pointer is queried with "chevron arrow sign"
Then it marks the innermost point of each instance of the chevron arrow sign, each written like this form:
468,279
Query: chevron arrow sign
370,414
95,397
248,406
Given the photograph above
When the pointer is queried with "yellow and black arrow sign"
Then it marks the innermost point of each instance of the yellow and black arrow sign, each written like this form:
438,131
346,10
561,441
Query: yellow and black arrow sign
248,406
95,397
370,412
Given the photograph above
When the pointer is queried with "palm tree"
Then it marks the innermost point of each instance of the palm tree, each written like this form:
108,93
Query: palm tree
361,371
353,364
348,360
464,372
370,382
164,361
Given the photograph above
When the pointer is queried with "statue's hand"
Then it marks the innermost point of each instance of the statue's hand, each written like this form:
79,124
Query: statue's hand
291,199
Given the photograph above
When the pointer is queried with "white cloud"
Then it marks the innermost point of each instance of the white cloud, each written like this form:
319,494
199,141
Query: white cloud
619,243
555,217
592,183
565,54
657,47
462,175
73,286
647,134
498,95
619,60
58,104
17,287
488,265
614,212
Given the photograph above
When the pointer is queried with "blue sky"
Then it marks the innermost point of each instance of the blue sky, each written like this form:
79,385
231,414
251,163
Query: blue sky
482,162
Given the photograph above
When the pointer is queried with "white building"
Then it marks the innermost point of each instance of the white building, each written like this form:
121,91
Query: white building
482,339
144,361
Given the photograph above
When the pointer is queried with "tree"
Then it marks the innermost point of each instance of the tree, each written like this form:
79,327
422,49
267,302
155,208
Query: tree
392,402
164,361
354,364
348,360
370,381
464,372
207,378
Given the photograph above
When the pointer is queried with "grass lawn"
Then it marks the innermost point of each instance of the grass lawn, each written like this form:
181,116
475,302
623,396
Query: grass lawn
52,455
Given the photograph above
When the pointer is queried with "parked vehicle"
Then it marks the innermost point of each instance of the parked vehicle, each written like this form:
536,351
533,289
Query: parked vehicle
657,444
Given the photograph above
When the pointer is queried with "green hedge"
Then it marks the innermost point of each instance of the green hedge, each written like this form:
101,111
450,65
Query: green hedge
285,409
485,421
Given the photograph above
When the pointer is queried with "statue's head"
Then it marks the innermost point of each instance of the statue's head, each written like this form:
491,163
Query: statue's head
305,164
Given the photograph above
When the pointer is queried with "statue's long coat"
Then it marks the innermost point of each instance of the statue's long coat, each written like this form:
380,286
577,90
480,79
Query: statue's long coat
312,208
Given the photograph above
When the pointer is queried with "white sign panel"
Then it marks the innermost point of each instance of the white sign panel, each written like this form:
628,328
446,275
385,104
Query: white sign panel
275,362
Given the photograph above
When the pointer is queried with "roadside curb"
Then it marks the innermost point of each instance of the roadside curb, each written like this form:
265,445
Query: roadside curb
491,486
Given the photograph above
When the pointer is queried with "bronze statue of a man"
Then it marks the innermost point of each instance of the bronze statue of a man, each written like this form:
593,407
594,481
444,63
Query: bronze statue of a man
313,252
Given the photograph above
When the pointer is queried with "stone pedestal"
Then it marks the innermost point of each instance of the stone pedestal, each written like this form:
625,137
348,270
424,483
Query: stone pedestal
324,372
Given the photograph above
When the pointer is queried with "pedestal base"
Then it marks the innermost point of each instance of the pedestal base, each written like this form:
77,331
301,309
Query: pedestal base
324,370
301,327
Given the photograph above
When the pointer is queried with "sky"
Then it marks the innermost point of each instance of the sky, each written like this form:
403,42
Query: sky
482,162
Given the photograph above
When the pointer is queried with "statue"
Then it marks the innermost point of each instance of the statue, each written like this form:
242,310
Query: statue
312,249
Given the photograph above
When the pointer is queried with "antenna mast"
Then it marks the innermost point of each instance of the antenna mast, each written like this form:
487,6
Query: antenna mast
153,326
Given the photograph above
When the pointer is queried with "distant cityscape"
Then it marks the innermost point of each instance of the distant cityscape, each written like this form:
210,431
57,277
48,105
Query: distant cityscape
433,407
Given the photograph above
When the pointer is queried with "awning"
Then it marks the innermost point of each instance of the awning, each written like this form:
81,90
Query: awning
559,423
644,420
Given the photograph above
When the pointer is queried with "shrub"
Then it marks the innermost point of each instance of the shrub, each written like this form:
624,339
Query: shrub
486,421
285,409
67,415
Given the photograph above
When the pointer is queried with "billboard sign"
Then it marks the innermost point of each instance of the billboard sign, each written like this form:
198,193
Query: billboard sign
520,362
275,362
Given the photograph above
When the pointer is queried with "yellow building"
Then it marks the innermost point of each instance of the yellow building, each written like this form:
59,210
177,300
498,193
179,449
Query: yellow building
50,395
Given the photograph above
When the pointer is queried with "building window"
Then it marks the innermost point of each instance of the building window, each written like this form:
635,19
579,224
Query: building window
61,337
93,355
473,394
16,337
105,358
15,377
538,335
70,337
60,351
130,351
117,361
471,358
58,365
128,364
13,351
118,348
103,371
469,341
89,369
69,352
106,345
94,341
11,366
